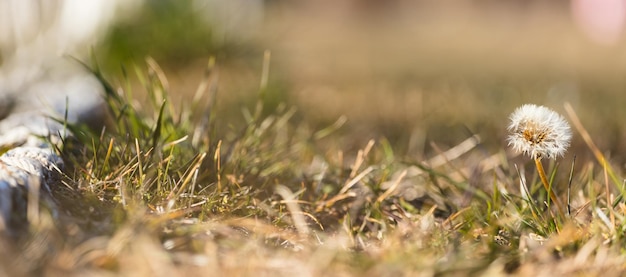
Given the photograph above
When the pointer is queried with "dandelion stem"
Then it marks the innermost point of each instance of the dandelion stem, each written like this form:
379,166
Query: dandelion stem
544,180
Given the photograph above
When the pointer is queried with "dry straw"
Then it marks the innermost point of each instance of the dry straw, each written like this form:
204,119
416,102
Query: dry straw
540,133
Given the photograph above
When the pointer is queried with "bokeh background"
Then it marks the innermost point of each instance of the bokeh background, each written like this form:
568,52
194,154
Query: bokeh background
413,72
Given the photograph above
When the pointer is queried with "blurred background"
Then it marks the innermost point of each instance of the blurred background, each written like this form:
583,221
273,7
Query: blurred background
411,71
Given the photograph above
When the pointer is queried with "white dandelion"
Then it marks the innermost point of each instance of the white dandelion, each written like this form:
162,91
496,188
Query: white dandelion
539,132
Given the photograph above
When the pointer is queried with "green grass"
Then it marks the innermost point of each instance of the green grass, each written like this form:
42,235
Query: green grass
163,191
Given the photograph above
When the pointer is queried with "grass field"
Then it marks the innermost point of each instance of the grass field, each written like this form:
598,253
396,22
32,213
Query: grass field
228,167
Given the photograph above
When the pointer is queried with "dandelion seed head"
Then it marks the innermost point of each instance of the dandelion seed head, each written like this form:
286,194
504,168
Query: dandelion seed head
538,132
